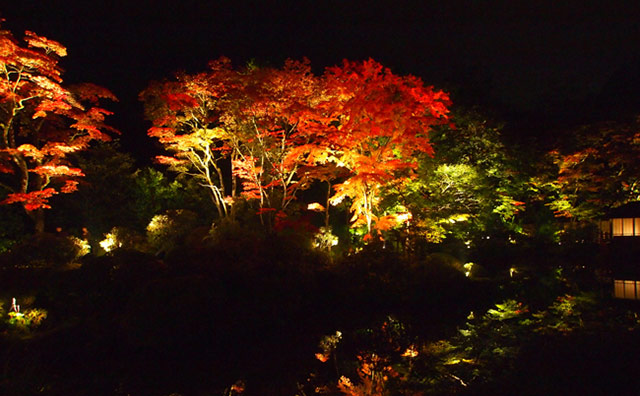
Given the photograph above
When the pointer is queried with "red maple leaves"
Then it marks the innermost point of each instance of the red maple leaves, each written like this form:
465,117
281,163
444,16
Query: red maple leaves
42,121
382,121
283,128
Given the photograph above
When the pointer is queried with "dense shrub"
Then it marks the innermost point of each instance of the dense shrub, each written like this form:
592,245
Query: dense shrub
12,227
124,238
442,267
43,250
169,229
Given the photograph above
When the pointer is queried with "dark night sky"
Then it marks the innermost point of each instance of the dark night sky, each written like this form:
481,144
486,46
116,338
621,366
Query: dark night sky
539,66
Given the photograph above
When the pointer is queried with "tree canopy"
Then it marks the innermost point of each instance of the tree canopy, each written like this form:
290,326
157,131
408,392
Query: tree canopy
272,132
42,122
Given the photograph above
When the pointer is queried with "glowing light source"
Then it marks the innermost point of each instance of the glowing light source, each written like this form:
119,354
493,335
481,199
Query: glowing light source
411,352
83,245
626,226
325,239
110,242
628,289
14,305
316,207
404,217
468,267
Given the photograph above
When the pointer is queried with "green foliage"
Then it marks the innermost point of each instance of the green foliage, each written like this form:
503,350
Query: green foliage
21,321
106,186
325,239
168,230
154,194
567,313
470,188
234,236
12,227
481,355
112,181
489,342
124,238
591,169
28,320
487,347
44,250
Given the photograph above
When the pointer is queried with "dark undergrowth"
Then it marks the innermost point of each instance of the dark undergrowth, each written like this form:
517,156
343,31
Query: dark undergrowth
202,319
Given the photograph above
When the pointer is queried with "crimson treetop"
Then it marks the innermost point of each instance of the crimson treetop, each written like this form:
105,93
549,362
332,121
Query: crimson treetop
283,128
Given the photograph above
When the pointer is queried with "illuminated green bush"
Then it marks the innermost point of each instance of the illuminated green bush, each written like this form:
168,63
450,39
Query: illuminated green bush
123,238
168,230
21,320
27,320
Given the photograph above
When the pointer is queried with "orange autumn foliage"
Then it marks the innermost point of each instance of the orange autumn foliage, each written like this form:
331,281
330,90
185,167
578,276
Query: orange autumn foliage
42,121
279,130
383,121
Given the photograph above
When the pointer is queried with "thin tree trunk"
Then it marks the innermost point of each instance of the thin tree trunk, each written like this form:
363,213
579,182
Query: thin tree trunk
326,207
37,216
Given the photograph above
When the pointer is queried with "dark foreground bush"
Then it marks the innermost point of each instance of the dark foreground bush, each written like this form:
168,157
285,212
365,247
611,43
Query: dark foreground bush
43,250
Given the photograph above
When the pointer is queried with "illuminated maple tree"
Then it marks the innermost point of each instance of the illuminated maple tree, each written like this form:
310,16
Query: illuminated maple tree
595,171
275,132
254,126
279,130
185,122
42,122
381,121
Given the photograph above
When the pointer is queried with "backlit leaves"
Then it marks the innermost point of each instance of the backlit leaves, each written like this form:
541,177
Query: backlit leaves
33,200
42,121
596,171
382,122
35,41
281,129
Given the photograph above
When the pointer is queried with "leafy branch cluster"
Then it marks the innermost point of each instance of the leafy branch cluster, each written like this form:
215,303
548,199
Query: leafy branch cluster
483,352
